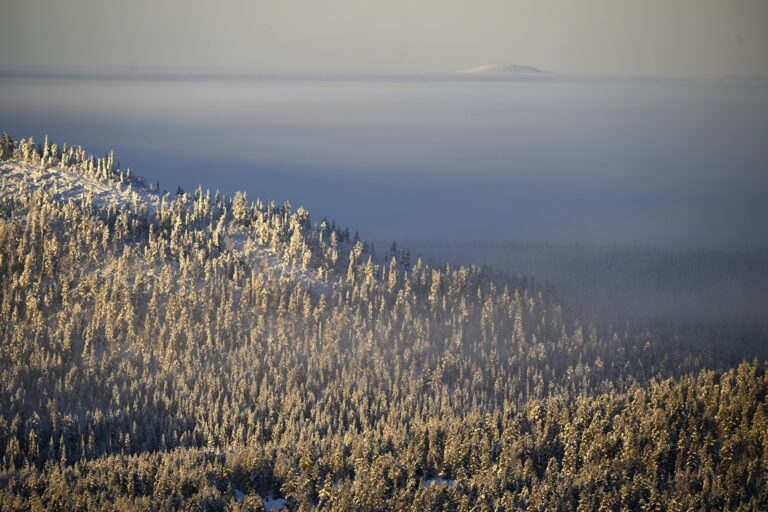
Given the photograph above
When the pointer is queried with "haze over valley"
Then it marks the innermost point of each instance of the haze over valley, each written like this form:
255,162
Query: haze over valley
373,256
596,161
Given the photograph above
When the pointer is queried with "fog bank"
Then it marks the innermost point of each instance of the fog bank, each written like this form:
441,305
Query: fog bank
674,164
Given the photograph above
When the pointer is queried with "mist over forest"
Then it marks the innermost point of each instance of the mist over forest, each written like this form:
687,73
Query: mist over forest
708,297
264,291
466,255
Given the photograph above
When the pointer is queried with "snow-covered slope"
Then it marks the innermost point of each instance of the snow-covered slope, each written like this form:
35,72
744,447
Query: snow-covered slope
23,177
244,245
18,177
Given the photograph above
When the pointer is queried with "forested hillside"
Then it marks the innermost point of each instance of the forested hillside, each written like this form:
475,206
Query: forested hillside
706,297
193,351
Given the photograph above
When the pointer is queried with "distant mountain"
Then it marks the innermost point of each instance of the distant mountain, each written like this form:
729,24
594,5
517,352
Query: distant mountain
501,68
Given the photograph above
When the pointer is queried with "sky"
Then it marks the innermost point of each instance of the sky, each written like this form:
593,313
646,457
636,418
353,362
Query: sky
709,38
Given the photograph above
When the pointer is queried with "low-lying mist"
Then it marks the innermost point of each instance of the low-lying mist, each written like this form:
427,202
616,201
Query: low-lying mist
705,297
676,164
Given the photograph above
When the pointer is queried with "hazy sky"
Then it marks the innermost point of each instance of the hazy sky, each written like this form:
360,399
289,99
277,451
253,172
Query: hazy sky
645,37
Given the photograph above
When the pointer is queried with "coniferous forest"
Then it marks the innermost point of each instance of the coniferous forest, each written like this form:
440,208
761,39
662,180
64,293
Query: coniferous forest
193,351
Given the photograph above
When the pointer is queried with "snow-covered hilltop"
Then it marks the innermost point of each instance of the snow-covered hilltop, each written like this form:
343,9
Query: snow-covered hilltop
274,239
69,173
500,69
19,177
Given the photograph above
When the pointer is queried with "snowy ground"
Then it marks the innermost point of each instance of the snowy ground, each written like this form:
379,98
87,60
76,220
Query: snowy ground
437,481
269,502
264,257
18,177
274,504
239,495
